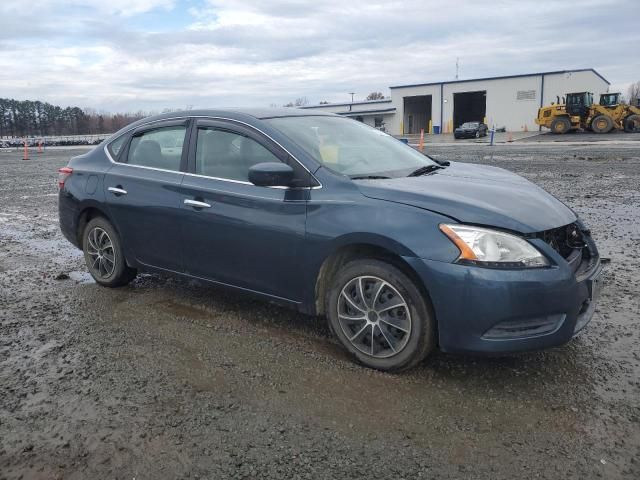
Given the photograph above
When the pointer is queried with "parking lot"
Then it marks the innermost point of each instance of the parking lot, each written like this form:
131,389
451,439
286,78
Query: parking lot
168,378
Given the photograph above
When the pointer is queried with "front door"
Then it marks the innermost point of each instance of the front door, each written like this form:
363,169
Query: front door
141,191
238,233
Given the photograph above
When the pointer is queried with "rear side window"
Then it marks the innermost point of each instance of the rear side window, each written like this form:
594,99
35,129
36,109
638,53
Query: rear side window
159,148
116,145
228,155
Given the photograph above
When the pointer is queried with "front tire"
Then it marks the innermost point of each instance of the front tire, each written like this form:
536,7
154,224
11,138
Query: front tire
103,254
560,125
380,316
632,123
601,124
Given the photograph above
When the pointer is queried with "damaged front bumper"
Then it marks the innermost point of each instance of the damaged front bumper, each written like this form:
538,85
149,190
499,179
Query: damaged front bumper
481,310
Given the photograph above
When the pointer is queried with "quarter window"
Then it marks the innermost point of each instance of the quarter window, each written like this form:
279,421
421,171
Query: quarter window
116,145
228,155
159,148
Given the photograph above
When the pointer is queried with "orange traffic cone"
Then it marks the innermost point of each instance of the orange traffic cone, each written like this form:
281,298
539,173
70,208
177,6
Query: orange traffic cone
509,137
26,151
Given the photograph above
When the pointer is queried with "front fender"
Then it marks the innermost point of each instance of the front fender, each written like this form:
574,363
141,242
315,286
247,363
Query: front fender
402,230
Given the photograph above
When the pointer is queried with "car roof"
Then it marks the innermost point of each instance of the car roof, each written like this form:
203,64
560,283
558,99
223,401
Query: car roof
239,113
248,115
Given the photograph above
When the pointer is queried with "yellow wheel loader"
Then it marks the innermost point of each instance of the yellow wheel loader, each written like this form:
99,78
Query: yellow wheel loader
579,112
570,114
624,117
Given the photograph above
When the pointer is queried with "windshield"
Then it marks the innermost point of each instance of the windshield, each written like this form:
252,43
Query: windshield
470,125
350,147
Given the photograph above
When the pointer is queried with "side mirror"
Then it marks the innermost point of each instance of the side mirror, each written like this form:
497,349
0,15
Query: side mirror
271,174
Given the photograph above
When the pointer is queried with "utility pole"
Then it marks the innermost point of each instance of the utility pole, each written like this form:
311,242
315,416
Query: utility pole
457,67
352,94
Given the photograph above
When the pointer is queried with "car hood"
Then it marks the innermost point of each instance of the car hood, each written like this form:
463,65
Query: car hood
476,194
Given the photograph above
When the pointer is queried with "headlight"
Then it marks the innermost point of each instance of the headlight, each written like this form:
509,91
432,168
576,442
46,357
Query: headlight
492,248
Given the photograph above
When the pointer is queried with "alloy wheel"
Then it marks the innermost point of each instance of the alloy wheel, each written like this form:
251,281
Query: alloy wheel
374,316
101,254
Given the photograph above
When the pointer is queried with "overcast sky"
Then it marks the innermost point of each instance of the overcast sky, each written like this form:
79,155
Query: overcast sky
126,55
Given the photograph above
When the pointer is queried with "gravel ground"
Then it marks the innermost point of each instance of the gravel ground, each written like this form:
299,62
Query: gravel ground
169,378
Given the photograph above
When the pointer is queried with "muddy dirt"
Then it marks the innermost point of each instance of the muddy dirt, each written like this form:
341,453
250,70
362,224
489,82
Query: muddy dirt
168,378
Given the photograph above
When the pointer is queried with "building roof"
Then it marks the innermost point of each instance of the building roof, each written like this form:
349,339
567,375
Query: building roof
504,77
359,113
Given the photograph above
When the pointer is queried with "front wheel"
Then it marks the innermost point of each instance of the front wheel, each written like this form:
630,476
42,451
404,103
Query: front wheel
632,124
560,125
601,124
478,134
380,316
103,254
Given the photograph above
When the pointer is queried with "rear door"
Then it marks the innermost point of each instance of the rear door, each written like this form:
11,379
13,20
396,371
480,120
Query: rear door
242,234
141,191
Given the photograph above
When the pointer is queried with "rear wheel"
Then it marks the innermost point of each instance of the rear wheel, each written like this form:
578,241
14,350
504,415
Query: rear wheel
632,124
380,316
601,124
103,254
560,125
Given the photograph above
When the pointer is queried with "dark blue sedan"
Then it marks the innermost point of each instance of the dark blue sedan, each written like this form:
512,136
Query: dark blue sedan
400,252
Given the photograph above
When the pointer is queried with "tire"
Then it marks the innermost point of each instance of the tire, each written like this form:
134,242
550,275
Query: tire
478,134
392,340
632,123
560,125
601,124
103,254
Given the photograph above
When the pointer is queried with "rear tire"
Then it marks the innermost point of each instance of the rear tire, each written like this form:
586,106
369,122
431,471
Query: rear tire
380,316
560,125
601,124
103,254
632,124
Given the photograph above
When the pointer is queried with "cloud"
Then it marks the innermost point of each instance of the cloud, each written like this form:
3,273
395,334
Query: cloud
153,54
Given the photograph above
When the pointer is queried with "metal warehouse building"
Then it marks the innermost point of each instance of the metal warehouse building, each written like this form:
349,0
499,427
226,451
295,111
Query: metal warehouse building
511,102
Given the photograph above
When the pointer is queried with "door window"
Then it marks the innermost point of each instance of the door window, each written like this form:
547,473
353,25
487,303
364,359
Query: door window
228,155
159,148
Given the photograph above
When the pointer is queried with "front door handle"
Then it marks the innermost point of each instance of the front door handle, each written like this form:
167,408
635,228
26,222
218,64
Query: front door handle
196,204
117,190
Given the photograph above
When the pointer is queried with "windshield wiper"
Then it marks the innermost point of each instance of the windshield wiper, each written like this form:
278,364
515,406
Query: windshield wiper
424,170
369,177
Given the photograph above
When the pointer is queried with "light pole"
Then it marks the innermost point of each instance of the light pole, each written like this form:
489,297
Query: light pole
352,94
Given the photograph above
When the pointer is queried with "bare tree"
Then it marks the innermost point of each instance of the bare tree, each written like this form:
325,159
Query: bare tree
26,117
324,102
634,93
298,102
375,96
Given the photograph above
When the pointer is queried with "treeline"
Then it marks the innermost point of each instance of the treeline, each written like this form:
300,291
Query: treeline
20,118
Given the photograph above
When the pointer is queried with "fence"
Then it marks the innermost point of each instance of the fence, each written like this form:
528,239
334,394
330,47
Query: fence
52,140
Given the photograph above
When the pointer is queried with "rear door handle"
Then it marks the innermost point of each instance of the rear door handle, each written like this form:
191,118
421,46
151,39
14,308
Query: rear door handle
196,204
117,190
